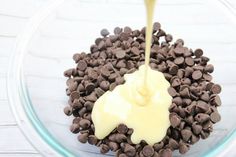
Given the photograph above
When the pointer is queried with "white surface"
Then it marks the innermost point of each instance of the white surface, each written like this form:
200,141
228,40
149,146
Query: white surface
13,16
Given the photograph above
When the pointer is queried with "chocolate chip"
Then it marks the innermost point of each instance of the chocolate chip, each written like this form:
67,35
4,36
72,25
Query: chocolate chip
84,123
179,60
189,61
124,36
201,117
135,51
202,106
104,148
174,120
216,100
75,128
77,104
158,146
198,53
123,155
173,69
89,87
105,85
68,72
104,32
156,26
129,150
88,105
122,128
183,148
148,151
92,139
177,100
101,45
216,89
105,72
179,42
209,68
172,91
215,117
197,75
120,138
166,153
194,139
185,93
207,77
74,95
68,110
73,86
82,65
83,138
113,146
92,97
119,53
204,134
176,82
112,86
173,144
161,33
117,30
205,96
127,30
186,134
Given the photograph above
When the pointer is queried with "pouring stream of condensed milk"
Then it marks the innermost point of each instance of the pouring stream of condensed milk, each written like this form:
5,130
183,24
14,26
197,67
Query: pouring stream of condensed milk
142,102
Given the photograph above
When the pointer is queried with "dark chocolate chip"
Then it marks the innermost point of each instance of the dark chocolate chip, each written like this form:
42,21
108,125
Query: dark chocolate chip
83,138
75,128
74,95
105,85
198,53
179,60
201,117
174,120
104,148
156,26
172,91
216,89
197,75
215,117
129,150
186,134
148,151
122,128
117,30
183,148
89,87
92,139
113,146
209,68
189,61
166,153
68,110
216,100
104,32
82,65
173,144
120,138
84,123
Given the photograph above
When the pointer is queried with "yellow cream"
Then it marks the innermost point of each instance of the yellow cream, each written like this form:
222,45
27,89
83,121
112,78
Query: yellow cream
148,115
142,102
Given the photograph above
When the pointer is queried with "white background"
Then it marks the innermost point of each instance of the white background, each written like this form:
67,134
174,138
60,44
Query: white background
14,14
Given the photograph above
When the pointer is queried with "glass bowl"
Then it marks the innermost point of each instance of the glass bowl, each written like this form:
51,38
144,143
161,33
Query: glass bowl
36,86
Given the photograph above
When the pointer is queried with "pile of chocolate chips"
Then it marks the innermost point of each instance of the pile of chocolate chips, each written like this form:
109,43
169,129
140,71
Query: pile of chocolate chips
195,98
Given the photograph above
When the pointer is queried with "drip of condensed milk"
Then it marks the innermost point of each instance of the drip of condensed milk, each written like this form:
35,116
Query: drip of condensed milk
142,102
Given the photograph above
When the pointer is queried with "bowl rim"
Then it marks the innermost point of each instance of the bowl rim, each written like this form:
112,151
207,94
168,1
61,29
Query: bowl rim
24,113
